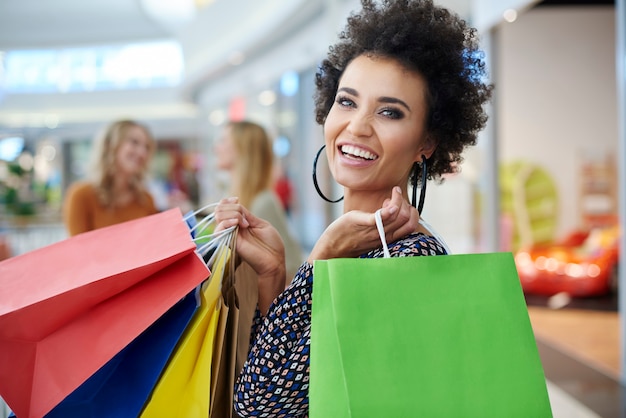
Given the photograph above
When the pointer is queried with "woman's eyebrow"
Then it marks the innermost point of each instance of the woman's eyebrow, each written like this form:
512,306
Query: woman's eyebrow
384,99
349,91
394,100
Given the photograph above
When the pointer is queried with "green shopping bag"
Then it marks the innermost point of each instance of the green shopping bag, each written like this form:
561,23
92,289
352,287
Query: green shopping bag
441,336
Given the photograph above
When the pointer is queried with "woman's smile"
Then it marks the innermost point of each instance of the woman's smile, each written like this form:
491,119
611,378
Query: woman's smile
356,155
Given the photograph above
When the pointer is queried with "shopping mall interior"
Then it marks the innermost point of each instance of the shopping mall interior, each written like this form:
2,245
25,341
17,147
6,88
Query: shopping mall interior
543,179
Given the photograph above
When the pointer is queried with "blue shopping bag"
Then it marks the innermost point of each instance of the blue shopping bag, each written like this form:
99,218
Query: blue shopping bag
121,387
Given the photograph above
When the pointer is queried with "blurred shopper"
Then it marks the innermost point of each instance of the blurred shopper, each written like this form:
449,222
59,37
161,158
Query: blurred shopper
245,151
117,192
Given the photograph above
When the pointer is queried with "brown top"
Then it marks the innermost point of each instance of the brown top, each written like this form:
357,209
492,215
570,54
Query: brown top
83,211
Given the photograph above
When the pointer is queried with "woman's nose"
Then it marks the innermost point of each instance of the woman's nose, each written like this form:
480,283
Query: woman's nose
144,150
360,124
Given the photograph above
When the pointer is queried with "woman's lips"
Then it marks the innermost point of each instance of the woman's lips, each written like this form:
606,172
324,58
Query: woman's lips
352,151
356,156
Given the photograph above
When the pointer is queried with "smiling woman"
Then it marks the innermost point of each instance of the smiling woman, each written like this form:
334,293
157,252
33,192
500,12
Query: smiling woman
117,192
402,90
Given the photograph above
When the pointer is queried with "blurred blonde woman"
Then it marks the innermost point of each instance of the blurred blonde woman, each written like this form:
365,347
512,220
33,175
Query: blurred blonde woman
117,192
245,151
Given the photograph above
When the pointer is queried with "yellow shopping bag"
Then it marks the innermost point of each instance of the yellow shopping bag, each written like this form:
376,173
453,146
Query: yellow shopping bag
184,387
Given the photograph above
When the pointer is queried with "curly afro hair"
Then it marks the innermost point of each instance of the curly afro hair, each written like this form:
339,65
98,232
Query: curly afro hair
432,41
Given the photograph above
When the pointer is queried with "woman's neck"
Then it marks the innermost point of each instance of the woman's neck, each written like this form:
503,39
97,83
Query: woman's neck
123,193
365,201
121,183
234,187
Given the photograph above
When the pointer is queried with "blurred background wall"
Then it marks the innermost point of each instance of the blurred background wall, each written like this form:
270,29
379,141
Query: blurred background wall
552,63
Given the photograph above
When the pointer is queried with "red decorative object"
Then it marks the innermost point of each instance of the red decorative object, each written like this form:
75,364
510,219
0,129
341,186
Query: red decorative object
584,264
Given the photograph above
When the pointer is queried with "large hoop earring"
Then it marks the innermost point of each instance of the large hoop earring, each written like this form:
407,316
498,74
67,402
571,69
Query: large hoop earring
416,165
317,187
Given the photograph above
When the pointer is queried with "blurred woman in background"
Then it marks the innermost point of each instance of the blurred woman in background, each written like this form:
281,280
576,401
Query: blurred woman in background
245,151
117,192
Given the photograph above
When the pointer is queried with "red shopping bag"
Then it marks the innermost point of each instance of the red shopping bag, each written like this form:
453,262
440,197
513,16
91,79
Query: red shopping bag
68,308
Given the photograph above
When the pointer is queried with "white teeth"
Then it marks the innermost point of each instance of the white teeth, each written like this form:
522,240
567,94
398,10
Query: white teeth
358,152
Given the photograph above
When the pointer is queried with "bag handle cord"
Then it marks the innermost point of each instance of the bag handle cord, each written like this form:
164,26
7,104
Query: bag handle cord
383,240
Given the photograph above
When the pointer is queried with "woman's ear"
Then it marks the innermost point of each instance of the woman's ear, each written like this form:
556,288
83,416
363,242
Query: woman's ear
427,148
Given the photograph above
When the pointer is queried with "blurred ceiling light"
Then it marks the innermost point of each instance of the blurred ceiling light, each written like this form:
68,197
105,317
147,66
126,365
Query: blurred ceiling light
48,152
11,147
510,15
217,117
202,3
281,146
51,121
289,83
287,119
267,98
172,14
26,161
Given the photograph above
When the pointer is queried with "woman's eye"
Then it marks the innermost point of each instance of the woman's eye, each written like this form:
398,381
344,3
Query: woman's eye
392,113
344,101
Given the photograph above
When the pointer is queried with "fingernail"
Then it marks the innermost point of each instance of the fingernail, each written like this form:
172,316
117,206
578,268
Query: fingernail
393,209
397,189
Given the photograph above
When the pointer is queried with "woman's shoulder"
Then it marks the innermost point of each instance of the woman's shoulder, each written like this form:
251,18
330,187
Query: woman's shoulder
148,198
266,205
82,185
82,188
265,198
415,244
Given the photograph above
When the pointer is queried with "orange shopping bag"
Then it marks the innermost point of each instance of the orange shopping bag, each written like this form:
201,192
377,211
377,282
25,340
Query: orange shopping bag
68,308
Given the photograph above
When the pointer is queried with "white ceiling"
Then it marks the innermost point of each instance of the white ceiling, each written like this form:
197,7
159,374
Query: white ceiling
26,24
35,24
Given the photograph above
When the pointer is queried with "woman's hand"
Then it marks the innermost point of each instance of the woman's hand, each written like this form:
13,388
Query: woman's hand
258,244
355,233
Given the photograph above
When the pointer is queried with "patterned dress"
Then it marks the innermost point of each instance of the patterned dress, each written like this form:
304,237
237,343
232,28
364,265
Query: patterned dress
274,381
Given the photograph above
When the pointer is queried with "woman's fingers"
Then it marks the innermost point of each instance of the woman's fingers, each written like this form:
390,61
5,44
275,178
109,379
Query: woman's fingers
230,213
259,244
399,217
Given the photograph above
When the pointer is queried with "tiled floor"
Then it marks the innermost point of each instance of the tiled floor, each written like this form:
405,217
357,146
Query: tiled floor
580,352
588,335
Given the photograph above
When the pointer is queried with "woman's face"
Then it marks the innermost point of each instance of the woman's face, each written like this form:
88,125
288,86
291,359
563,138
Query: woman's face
375,130
225,151
133,153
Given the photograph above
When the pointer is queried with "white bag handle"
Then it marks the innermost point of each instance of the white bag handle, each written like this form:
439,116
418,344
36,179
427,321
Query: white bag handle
381,232
217,241
383,240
